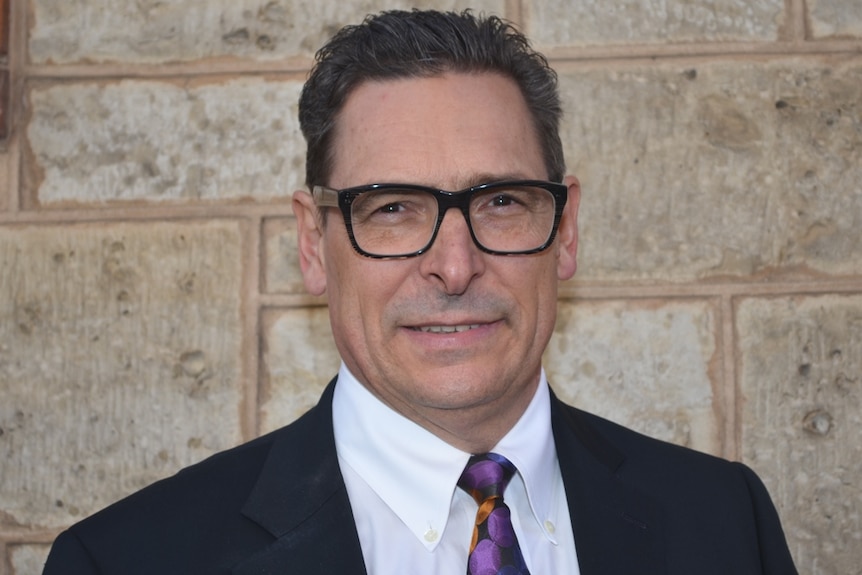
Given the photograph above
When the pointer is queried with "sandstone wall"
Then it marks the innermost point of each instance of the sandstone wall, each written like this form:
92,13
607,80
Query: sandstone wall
151,306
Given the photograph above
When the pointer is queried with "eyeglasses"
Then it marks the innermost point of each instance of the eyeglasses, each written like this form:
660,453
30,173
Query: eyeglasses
402,220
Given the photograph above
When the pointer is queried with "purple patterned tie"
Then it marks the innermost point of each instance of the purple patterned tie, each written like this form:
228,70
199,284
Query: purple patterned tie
494,549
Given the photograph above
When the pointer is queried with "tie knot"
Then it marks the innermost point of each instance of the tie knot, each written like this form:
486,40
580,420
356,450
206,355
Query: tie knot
486,475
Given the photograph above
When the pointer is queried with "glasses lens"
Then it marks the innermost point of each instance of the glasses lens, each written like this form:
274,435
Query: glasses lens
512,218
393,222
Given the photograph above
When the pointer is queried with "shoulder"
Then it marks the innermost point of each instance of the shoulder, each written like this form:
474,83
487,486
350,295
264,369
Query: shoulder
224,478
618,445
196,513
704,505
205,494
676,475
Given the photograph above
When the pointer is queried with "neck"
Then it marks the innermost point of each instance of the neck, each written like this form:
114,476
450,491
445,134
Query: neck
473,429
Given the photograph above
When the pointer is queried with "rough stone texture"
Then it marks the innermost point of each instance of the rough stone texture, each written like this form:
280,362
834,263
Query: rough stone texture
645,364
161,141
119,360
28,559
282,273
299,359
835,18
801,381
726,169
174,30
704,172
5,189
597,22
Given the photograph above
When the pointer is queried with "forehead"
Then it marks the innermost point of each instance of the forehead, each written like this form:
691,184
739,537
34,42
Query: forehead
442,131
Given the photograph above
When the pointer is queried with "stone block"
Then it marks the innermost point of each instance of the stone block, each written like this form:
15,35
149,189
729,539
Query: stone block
282,273
801,382
835,18
28,559
120,360
595,22
160,141
153,32
649,365
729,169
299,359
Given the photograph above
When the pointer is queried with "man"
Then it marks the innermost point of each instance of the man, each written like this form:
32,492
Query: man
441,317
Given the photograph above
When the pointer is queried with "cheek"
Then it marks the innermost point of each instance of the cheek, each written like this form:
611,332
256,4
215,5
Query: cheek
342,301
538,292
350,327
360,289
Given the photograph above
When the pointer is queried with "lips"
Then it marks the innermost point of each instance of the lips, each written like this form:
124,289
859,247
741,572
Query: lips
446,328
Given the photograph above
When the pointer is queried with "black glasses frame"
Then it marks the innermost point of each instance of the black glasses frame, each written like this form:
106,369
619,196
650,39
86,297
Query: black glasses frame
343,199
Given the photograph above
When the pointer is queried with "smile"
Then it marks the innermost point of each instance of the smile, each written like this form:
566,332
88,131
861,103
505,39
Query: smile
447,328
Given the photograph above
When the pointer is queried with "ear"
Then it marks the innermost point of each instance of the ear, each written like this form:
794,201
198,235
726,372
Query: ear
309,227
567,234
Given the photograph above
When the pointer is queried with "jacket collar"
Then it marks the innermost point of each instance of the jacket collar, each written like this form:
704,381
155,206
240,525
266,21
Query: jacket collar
301,500
617,528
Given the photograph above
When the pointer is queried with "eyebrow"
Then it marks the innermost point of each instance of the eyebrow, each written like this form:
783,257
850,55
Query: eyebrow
470,182
487,177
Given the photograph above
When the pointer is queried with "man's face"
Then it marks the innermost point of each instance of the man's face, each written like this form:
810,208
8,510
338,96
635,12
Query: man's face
394,320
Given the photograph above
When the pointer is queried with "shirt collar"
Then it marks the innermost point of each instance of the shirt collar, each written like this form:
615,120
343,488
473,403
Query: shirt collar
530,446
398,458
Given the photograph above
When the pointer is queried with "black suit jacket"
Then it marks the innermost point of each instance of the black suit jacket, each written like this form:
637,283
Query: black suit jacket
278,504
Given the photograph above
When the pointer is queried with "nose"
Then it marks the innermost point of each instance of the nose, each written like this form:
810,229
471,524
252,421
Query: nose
453,261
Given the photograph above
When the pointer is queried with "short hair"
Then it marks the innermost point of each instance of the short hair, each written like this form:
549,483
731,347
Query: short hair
419,44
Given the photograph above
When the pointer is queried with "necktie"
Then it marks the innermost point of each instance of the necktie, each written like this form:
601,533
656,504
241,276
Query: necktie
494,549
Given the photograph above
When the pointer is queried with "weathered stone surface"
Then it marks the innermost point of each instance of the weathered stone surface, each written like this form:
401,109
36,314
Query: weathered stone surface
282,273
119,360
28,559
801,381
835,18
161,141
6,189
299,360
595,22
647,364
729,169
153,31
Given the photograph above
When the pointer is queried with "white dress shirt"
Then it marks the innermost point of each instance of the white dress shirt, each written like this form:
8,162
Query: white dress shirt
411,516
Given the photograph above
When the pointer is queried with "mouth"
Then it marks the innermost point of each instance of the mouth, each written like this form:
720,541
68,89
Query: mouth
446,328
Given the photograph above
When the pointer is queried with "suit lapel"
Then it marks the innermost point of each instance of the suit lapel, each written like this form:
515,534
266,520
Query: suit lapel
301,500
617,528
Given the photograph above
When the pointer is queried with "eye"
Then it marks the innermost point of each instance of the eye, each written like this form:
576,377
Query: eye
502,200
392,207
